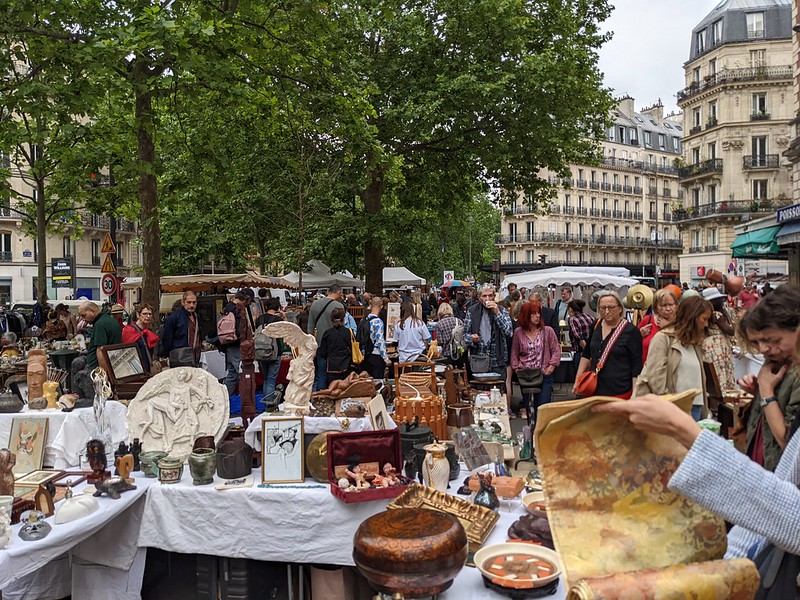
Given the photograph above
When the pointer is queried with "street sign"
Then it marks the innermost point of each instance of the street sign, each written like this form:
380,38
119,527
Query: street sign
63,272
108,245
108,284
108,265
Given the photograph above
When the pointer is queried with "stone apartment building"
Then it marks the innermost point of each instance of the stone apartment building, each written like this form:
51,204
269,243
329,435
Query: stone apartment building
738,105
19,252
618,212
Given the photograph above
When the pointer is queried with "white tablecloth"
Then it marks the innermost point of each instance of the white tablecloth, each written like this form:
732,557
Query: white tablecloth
302,523
107,537
67,433
79,426
213,361
311,426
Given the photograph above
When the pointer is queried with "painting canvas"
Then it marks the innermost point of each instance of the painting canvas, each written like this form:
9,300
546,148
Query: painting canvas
378,415
28,440
282,450
392,319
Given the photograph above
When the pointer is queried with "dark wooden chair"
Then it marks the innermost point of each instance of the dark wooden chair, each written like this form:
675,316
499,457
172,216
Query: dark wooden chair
713,390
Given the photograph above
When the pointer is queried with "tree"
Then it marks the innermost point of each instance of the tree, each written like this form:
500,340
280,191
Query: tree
473,91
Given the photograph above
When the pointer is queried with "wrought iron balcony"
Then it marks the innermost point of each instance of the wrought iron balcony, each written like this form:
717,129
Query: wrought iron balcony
628,215
569,210
728,207
606,213
617,187
712,122
712,248
606,187
594,212
695,249
667,193
637,190
653,215
95,261
695,129
5,212
653,191
760,116
734,76
555,209
595,185
582,210
761,161
582,183
617,214
626,189
706,167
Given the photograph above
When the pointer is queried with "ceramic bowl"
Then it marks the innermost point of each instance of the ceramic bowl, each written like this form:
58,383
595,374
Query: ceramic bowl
537,552
534,501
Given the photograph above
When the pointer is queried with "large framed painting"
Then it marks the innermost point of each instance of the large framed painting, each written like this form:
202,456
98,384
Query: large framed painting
27,441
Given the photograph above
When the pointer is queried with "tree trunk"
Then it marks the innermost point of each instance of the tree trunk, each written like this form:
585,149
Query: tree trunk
373,246
148,191
41,241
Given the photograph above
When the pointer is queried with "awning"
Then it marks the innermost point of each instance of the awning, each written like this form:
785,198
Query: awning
761,243
789,234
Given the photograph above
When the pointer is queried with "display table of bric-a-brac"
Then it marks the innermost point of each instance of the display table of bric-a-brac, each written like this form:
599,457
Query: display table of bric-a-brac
104,559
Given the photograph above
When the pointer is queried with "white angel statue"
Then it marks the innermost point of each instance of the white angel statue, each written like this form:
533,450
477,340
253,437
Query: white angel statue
301,369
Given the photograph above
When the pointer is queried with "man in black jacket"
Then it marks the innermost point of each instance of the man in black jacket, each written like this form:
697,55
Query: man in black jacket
549,316
182,328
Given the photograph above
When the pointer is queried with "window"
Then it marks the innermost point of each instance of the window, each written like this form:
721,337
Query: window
697,117
636,208
616,231
712,237
696,75
662,141
605,177
68,246
696,156
594,176
580,230
581,256
529,257
5,243
676,142
759,105
712,112
605,203
758,58
512,231
759,146
760,188
594,203
712,195
621,135
616,179
701,41
712,67
512,257
594,230
636,182
580,174
696,198
712,150
95,252
716,32
567,228
697,236
627,231
530,227
566,201
755,25
648,139
580,201
626,180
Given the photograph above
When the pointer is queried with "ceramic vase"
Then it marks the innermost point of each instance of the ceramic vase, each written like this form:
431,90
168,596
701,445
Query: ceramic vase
148,461
170,470
203,465
452,459
435,467
10,403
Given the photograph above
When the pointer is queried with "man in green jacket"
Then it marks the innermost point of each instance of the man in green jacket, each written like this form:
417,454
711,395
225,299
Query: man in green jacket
105,330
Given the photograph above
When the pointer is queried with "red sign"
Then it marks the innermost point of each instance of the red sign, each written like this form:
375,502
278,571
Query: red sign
108,284
701,271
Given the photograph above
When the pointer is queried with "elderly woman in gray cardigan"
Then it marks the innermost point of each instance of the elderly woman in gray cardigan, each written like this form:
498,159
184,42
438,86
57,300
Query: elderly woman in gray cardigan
763,506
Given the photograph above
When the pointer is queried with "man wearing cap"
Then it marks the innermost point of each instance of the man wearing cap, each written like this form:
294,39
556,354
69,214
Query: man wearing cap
105,330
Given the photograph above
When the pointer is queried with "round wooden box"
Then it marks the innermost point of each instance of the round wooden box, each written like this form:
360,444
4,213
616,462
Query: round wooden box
414,551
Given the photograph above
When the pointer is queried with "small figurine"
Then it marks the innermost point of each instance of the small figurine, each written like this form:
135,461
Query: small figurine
344,483
136,450
122,450
390,476
358,476
124,466
7,461
113,487
96,454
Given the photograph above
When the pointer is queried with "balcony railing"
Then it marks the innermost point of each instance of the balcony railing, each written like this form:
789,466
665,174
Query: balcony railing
667,193
706,167
595,185
95,261
734,76
637,190
582,210
582,183
617,214
667,216
712,248
653,216
726,207
572,238
616,187
605,186
652,191
6,256
594,212
628,215
555,209
760,116
695,249
124,225
569,210
761,161
606,213
5,212
695,129
712,122
626,189
523,209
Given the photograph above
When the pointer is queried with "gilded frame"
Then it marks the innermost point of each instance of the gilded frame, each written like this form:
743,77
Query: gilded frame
282,450
478,521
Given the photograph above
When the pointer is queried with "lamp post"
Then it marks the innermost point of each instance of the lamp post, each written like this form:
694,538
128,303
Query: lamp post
469,219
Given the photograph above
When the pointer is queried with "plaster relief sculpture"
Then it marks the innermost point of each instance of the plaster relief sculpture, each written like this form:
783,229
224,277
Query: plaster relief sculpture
301,369
176,407
75,507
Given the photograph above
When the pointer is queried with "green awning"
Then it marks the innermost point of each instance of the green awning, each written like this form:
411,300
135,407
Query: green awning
761,243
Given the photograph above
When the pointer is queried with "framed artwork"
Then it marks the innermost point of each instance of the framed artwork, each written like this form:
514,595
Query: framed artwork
378,415
27,440
36,478
282,450
392,319
71,478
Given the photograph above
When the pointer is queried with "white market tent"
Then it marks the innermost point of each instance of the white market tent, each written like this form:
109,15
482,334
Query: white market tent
532,279
320,277
395,277
617,271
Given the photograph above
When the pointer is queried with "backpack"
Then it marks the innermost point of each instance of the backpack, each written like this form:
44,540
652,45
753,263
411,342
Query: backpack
226,328
363,335
266,346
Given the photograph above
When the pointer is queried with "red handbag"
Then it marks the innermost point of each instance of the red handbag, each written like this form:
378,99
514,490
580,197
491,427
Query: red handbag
586,384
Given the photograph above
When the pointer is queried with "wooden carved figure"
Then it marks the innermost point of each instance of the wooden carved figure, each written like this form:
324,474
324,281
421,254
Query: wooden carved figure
7,461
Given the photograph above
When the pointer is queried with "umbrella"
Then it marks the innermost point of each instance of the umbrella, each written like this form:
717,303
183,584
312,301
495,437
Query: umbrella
456,283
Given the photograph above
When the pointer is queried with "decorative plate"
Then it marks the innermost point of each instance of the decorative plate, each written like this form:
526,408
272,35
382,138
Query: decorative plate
518,565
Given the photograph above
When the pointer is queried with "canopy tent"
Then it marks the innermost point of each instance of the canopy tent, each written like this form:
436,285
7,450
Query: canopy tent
455,283
616,271
320,277
394,277
532,279
759,243
204,282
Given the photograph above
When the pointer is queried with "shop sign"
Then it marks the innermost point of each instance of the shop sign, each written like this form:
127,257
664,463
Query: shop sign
789,214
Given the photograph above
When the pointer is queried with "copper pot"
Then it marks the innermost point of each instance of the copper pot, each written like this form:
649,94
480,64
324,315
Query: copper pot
715,276
732,284
459,414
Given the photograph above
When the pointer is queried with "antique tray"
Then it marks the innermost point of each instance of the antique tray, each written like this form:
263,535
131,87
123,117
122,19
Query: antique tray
478,521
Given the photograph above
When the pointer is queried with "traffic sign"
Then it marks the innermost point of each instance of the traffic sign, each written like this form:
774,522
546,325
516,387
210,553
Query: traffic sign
108,245
109,284
108,265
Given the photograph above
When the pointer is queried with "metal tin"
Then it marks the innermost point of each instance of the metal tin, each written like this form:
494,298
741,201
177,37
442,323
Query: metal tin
170,470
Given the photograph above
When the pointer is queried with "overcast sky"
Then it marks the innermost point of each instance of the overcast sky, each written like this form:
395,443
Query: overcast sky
651,41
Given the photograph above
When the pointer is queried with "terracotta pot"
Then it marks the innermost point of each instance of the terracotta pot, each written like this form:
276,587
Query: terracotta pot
734,285
412,551
715,276
202,465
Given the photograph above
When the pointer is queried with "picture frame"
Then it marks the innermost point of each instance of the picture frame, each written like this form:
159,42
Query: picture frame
282,450
478,521
378,415
73,477
38,477
27,440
